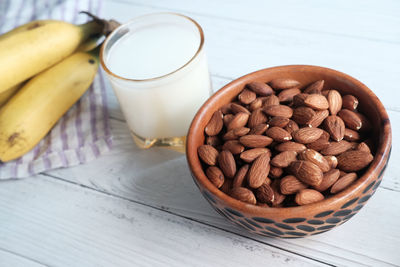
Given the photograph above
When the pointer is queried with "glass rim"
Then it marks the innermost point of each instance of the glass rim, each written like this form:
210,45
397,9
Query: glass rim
108,71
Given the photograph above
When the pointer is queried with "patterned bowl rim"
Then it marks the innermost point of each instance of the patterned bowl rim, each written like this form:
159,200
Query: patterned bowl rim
374,171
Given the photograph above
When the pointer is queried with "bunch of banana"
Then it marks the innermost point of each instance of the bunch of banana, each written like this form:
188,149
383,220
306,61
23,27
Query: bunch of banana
28,50
55,52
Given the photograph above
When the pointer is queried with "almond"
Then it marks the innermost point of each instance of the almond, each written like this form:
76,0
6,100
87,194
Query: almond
256,104
239,120
291,185
278,121
236,133
271,100
247,96
227,119
370,143
275,172
260,88
278,134
278,197
349,102
355,160
308,196
227,163
291,127
226,109
243,194
283,159
251,154
230,135
302,115
236,108
315,87
208,154
215,124
320,143
241,131
363,147
336,148
306,172
332,161
240,175
259,129
213,141
215,175
316,101
252,140
318,118
278,110
350,118
343,182
283,83
298,100
259,170
290,146
328,180
257,117
335,102
335,127
307,135
287,95
227,186
265,194
316,158
234,146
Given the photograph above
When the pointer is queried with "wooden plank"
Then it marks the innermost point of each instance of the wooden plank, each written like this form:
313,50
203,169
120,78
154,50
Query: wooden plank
160,178
370,19
61,224
236,47
11,259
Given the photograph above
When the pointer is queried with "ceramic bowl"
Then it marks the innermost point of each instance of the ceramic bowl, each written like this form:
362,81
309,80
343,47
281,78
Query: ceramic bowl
300,221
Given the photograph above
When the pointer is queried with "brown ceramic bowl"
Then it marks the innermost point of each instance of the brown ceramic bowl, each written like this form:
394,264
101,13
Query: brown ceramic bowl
309,219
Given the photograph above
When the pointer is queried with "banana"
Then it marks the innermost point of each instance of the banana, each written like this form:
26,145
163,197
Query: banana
27,27
4,96
26,53
31,113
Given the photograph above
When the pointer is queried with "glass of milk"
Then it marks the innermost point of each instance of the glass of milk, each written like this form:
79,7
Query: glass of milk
158,69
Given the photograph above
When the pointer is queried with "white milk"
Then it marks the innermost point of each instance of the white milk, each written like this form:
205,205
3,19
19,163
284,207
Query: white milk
165,106
153,52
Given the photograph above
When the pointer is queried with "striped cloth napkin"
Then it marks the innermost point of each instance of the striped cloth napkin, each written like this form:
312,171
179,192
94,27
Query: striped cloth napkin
83,133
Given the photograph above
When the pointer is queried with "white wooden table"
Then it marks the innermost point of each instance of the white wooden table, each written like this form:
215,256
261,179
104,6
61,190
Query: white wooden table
126,210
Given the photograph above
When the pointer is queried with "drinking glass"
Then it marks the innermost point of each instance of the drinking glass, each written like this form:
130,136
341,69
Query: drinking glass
158,69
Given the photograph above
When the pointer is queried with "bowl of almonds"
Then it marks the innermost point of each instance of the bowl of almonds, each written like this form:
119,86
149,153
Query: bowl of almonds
290,151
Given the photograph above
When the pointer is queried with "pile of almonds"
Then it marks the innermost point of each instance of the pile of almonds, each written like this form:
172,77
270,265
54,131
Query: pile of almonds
279,145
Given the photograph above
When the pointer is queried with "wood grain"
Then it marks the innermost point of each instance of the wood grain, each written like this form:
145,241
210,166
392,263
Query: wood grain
62,224
8,258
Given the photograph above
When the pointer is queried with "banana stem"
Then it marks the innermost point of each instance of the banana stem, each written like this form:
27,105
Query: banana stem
108,25
91,28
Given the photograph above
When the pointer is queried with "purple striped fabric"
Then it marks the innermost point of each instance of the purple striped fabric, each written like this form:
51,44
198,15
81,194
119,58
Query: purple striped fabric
83,133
